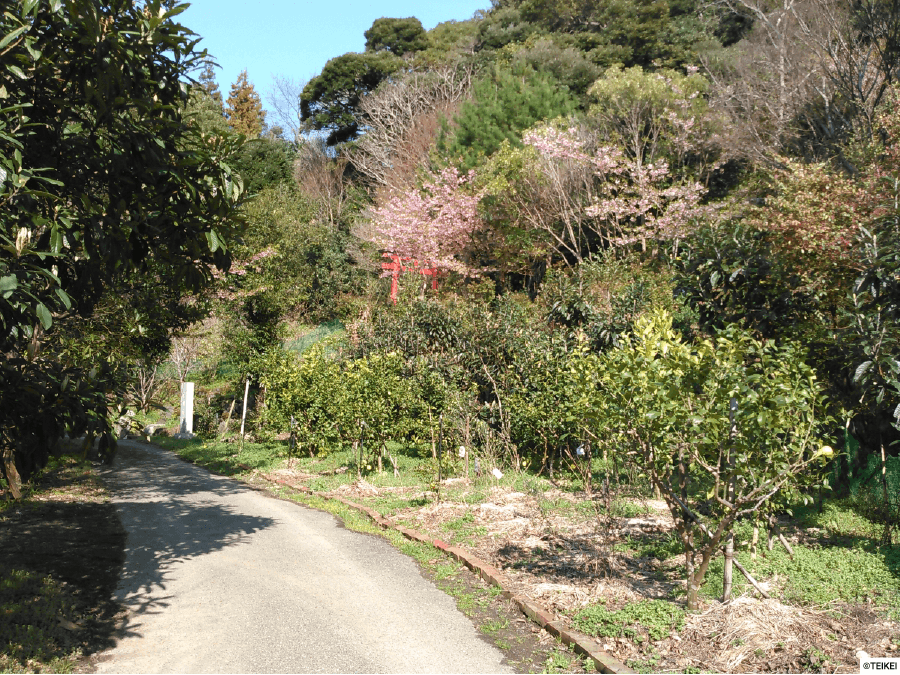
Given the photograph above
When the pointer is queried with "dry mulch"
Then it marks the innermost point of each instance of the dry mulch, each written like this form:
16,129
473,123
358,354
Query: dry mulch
567,557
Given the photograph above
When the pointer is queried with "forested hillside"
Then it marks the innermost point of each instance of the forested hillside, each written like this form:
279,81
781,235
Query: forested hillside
570,167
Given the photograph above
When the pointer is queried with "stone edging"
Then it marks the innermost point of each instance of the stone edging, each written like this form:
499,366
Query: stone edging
581,644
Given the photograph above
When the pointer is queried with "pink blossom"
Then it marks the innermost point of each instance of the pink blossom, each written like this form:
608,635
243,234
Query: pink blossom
432,225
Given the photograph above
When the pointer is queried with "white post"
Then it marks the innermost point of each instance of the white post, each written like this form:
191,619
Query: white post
187,408
244,414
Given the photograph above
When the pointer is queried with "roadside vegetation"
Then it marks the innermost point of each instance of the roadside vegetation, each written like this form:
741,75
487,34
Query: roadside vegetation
61,547
617,574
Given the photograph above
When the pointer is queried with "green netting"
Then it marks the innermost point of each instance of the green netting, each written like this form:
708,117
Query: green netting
870,476
319,333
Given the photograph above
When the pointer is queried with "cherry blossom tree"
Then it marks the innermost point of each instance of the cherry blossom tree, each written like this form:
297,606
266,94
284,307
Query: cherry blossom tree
433,224
626,201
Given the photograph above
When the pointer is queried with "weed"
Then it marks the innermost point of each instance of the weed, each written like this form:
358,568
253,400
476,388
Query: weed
559,661
818,576
31,605
494,626
626,509
465,602
460,523
446,570
502,644
645,665
814,659
657,617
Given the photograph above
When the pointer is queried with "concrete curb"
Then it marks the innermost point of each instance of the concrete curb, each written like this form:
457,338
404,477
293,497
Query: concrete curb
581,644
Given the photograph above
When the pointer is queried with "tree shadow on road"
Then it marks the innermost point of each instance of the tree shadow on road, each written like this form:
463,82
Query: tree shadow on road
172,512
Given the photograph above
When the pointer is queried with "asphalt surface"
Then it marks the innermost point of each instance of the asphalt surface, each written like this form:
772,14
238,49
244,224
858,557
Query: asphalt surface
220,578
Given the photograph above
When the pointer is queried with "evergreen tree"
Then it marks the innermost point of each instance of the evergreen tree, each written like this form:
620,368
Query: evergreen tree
205,112
502,106
243,109
208,82
330,101
397,36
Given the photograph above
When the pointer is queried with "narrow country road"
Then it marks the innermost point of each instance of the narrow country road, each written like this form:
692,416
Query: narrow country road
221,578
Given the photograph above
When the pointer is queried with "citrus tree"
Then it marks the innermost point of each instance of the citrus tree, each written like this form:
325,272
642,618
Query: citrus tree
720,427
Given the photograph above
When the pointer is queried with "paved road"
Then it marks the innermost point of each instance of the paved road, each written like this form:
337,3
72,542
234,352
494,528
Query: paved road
222,578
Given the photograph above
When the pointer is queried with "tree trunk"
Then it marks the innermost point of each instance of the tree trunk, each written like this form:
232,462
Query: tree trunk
588,475
12,474
693,588
727,573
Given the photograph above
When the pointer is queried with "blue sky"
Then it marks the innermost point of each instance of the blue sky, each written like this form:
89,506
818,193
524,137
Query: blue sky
295,39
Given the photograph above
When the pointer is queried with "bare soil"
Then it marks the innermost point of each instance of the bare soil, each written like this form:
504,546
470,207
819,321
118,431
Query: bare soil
556,549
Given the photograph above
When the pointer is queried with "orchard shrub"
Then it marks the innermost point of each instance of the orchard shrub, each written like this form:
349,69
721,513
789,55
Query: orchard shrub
720,427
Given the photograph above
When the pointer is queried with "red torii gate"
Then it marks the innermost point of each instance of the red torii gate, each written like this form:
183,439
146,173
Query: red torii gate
396,267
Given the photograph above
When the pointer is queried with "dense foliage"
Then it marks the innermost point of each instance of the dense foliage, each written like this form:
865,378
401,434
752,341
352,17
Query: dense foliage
666,235
103,181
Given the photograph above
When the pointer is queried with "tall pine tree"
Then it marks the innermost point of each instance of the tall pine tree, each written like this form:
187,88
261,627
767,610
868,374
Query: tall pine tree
208,82
243,109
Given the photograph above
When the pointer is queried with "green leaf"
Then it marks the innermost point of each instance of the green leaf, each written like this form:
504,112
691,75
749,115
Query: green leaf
44,315
9,283
64,298
55,239
15,70
213,240
175,11
18,31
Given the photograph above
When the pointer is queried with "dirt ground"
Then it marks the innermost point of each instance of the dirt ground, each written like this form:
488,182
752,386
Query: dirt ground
70,531
555,549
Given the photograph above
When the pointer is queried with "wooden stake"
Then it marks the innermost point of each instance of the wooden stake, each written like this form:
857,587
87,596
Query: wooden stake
755,541
468,446
394,463
774,525
729,492
750,578
727,572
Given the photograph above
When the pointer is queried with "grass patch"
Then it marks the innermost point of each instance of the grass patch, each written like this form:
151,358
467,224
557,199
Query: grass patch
31,635
838,518
819,576
309,338
358,522
656,618
54,594
622,508
226,458
661,547
494,626
559,661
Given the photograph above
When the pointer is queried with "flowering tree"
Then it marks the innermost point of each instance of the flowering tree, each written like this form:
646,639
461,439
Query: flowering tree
434,224
625,201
